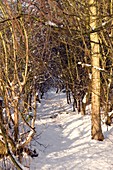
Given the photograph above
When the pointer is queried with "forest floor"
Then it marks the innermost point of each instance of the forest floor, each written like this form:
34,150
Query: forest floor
63,139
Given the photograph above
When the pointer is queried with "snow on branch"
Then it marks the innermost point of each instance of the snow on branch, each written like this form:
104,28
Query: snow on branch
28,139
19,166
53,24
50,23
89,65
103,25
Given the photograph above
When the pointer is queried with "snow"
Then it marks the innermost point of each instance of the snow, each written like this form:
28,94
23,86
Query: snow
20,165
64,141
50,23
1,98
89,65
85,98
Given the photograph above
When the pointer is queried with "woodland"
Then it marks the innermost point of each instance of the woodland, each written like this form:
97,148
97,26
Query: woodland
44,44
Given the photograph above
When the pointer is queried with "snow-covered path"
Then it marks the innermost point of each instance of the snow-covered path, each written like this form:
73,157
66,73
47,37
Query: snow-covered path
66,141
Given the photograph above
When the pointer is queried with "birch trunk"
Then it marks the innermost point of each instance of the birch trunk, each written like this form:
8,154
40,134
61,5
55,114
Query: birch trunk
96,130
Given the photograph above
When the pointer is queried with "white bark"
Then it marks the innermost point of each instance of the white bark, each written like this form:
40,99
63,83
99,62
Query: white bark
95,53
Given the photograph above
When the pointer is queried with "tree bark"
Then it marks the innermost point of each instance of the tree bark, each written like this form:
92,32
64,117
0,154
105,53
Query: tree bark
96,130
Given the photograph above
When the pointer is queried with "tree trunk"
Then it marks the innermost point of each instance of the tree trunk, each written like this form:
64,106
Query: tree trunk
96,130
